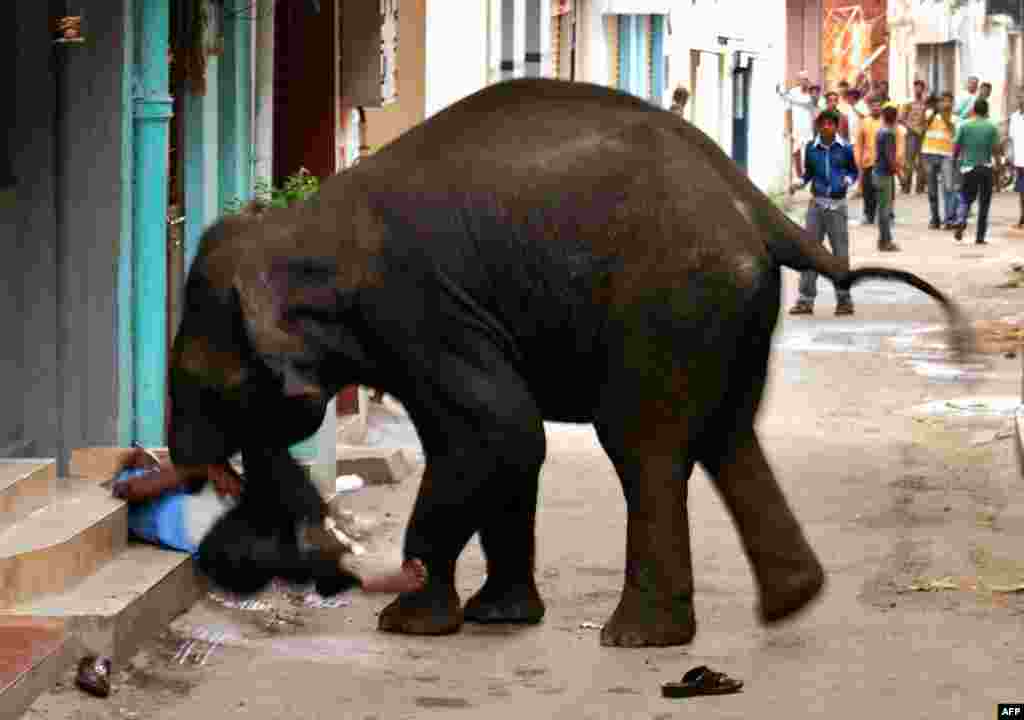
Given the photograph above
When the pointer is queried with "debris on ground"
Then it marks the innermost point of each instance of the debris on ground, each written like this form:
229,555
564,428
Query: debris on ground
200,645
94,675
945,583
701,680
1015,276
348,483
591,626
235,603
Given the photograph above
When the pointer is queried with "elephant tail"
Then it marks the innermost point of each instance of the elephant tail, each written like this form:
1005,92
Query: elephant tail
961,333
794,248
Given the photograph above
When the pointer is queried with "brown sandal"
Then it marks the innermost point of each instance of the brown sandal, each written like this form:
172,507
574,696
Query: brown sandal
701,681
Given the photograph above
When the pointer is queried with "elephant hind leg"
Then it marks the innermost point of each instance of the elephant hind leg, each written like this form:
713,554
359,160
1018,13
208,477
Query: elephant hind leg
656,605
788,572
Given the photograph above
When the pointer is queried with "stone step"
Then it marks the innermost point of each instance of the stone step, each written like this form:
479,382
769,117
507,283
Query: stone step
33,654
25,485
60,544
125,602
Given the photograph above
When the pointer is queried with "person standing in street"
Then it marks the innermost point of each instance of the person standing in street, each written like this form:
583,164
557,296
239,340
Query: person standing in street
865,155
1016,138
886,169
831,170
965,105
974,147
680,96
912,117
804,110
832,103
937,150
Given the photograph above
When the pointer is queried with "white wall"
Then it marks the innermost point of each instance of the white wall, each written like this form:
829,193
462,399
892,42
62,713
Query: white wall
752,27
456,51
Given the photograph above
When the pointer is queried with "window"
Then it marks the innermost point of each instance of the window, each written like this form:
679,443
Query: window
639,55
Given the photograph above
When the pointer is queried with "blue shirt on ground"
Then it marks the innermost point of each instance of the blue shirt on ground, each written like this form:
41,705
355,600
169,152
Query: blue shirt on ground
830,169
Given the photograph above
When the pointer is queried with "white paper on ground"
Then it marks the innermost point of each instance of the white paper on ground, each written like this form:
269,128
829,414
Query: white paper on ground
348,483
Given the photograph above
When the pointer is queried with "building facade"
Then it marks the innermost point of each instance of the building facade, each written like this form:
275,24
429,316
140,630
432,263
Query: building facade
945,43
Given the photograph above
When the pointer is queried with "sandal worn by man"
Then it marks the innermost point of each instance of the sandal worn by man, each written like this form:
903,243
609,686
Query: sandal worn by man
701,681
802,307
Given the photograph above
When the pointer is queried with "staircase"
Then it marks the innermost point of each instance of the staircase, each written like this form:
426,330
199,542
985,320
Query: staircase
71,582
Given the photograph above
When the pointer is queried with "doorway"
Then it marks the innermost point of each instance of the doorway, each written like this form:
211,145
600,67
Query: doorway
741,113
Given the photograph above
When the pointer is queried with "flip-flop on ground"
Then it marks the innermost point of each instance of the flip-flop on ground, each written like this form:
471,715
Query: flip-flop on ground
701,681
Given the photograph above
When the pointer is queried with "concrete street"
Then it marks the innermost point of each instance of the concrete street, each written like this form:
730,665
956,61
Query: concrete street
887,496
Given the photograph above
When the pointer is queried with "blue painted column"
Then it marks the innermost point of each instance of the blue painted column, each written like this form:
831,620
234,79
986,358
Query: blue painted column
236,103
626,52
658,59
152,114
202,161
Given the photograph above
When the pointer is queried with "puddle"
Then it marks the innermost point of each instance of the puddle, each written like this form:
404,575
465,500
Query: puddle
844,337
980,406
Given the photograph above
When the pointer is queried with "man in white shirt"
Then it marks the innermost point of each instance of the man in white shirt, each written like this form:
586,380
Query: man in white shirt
1016,136
805,109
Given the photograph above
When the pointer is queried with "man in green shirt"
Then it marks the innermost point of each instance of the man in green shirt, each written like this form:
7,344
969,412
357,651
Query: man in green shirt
975,145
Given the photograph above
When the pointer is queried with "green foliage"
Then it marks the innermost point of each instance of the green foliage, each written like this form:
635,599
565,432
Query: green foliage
297,187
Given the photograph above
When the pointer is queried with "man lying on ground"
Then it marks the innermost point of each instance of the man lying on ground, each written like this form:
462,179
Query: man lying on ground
164,511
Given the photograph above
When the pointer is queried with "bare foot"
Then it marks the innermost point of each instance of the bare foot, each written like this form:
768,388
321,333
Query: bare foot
412,577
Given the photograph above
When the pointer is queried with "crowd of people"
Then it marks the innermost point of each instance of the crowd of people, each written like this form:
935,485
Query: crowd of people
855,140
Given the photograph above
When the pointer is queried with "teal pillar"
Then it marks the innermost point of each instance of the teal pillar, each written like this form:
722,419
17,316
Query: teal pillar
236,103
658,58
202,161
626,52
152,114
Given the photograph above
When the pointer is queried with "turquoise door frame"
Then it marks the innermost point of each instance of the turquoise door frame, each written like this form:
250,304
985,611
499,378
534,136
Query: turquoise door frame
634,33
151,112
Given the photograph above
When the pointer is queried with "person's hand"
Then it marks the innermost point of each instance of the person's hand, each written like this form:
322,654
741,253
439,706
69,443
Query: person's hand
146,487
795,187
225,480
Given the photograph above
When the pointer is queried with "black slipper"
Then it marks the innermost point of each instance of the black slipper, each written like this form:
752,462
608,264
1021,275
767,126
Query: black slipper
701,681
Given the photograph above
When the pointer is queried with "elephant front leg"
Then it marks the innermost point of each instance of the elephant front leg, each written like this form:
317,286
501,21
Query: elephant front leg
440,526
482,470
508,538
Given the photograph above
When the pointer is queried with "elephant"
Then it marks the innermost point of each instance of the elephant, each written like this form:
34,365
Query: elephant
540,250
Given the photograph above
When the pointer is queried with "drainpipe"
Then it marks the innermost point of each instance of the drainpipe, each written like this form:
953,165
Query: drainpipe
152,114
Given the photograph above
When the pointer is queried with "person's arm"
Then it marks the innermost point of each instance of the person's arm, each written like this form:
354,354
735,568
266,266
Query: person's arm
850,173
808,173
957,147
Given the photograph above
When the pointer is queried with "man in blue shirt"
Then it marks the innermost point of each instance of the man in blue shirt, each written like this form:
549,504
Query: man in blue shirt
831,170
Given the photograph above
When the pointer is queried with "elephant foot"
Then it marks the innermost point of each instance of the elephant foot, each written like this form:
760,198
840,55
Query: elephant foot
641,622
783,599
434,610
495,603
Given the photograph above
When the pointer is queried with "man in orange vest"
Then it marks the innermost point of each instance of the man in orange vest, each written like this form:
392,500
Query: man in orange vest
864,149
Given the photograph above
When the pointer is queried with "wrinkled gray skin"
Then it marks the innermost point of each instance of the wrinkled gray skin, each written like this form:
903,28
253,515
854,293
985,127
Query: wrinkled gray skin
540,250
